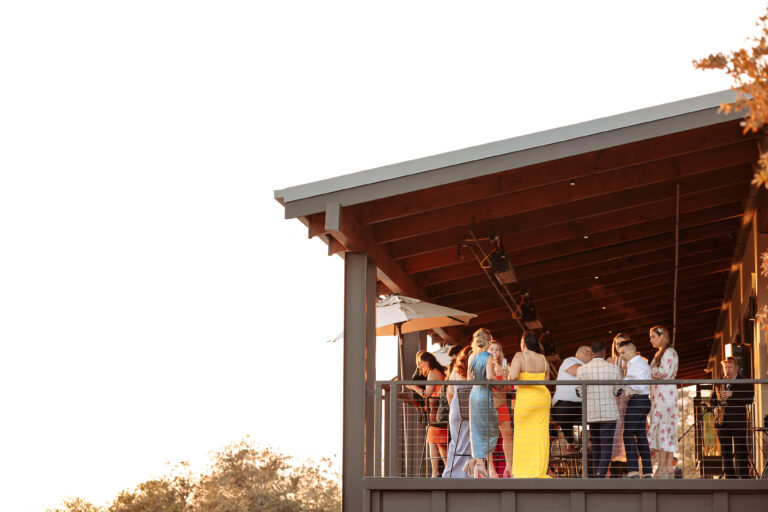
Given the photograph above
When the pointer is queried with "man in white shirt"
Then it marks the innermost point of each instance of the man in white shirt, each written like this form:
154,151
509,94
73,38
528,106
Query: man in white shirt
638,407
566,404
602,412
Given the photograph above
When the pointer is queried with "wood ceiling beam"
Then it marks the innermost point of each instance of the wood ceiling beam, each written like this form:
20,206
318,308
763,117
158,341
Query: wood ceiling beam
487,209
583,276
575,167
524,253
532,275
689,290
704,234
584,217
493,311
707,273
551,261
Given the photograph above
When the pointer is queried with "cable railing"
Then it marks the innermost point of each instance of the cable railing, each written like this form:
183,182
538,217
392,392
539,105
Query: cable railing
664,429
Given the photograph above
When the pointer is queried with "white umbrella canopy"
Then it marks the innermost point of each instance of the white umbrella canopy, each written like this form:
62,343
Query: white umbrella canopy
398,314
442,356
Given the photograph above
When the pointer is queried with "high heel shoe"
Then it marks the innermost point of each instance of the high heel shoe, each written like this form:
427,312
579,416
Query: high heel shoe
507,472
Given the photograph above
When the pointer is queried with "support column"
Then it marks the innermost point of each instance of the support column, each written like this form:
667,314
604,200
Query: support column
359,375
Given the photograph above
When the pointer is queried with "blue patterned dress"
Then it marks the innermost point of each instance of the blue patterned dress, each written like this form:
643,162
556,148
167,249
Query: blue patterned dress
483,418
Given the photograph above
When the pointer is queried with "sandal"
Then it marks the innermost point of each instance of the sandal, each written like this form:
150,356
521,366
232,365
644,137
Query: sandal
480,471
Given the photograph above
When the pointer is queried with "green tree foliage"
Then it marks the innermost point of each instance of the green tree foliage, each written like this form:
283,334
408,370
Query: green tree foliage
241,478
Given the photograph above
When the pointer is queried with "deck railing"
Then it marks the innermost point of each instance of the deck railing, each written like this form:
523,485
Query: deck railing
404,418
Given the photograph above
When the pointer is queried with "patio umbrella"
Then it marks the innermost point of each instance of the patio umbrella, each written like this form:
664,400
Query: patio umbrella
397,315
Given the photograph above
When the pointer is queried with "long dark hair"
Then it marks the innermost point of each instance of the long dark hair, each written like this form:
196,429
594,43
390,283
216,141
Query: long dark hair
661,333
453,353
531,341
432,363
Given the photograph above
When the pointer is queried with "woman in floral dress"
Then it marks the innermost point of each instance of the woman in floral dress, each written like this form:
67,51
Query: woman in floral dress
662,436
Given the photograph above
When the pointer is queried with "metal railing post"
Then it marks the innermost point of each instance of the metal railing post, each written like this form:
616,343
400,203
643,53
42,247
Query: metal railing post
377,419
584,457
392,448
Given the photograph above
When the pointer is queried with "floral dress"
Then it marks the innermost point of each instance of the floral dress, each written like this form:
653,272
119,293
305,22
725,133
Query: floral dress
663,432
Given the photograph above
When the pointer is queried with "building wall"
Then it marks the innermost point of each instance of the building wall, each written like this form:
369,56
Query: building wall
749,284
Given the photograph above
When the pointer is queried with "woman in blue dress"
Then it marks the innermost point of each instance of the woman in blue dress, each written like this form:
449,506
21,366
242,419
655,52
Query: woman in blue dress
483,418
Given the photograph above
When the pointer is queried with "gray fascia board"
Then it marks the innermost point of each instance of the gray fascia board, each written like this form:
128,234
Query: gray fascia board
507,154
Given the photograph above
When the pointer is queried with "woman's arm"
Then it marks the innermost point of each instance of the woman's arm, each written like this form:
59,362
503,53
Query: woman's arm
514,367
449,390
430,388
490,371
667,368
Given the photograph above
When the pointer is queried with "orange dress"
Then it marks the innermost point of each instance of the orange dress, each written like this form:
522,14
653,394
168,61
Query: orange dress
437,435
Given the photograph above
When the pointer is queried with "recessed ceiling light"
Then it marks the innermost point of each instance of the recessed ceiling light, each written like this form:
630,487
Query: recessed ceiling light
586,236
573,182
603,307
597,277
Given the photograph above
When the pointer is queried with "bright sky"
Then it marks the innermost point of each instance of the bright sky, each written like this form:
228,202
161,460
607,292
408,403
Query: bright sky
154,305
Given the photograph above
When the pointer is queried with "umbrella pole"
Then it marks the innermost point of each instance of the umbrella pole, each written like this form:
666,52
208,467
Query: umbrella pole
401,349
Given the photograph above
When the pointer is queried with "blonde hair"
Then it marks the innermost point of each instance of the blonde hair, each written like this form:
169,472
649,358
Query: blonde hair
482,338
615,345
501,349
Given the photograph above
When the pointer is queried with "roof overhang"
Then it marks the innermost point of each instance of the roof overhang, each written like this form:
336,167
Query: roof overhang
588,215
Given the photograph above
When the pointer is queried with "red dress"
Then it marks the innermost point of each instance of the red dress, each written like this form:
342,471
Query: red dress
503,410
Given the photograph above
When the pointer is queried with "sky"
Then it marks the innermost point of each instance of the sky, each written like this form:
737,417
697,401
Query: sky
154,303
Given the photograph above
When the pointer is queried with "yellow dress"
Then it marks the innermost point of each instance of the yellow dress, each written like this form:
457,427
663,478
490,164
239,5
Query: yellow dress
531,442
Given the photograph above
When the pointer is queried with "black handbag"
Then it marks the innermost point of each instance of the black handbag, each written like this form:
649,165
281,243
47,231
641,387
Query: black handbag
443,408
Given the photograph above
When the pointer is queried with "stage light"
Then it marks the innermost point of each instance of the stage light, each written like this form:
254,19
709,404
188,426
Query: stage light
529,316
501,268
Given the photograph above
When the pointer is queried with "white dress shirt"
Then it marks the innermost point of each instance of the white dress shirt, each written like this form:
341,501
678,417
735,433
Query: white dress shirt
638,369
567,393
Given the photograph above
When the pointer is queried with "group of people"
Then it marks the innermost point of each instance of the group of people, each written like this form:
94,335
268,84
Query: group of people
639,419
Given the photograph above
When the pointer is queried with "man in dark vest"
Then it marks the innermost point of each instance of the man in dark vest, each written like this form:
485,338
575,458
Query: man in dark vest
731,420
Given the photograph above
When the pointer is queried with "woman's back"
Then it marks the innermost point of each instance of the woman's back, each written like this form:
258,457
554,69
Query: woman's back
478,365
533,363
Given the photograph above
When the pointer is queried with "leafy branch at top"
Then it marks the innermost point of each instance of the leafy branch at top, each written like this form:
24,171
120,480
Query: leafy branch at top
748,67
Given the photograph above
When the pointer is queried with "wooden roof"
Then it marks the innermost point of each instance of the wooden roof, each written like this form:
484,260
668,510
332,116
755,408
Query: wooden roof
588,222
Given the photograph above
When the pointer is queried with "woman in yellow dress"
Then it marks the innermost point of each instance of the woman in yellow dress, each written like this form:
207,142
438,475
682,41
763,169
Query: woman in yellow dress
531,441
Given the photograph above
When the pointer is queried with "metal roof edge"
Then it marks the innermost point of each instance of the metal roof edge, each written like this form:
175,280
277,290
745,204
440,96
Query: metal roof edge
506,146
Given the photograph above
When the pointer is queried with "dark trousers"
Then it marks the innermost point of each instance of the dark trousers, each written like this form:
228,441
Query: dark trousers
733,445
601,443
635,438
566,414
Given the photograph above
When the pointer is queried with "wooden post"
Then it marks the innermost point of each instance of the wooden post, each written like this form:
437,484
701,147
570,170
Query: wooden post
359,376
